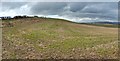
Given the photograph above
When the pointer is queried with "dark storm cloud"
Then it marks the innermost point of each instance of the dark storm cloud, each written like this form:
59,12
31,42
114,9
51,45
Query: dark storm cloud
106,10
100,7
100,10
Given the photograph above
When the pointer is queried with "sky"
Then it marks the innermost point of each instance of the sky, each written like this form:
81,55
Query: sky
73,11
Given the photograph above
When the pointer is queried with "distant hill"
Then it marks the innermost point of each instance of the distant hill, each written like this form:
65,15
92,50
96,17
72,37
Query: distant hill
106,22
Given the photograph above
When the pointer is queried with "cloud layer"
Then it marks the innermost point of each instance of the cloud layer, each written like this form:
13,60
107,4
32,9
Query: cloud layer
74,11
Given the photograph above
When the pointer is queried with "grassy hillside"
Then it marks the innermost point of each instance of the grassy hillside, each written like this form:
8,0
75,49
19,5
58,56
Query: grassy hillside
39,38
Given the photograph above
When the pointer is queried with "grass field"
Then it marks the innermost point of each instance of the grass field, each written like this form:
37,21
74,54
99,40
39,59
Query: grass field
39,38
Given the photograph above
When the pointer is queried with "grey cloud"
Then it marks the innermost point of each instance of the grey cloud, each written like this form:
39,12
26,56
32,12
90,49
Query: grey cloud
100,7
48,8
60,0
101,10
77,6
97,10
12,5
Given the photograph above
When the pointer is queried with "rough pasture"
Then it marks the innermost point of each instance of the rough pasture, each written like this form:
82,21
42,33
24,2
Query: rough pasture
38,38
